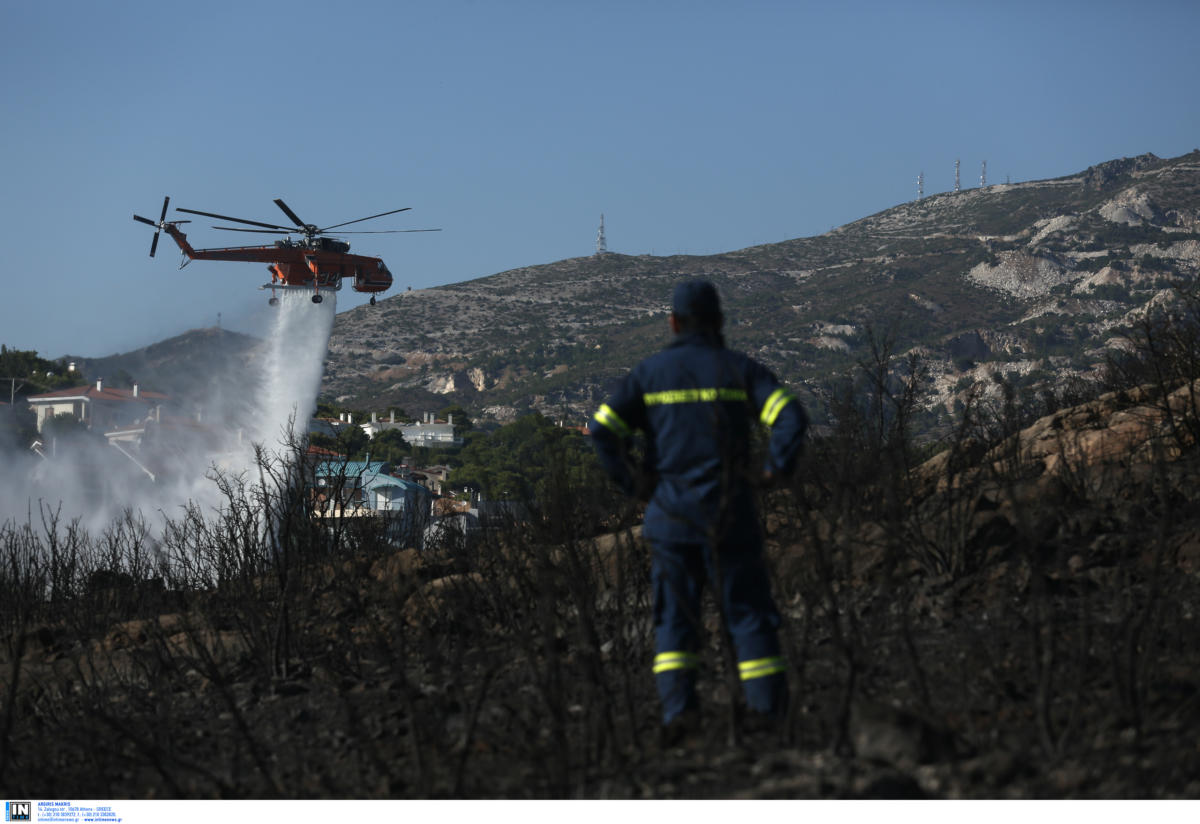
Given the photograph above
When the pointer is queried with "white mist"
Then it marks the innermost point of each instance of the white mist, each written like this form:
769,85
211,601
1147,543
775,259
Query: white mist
270,413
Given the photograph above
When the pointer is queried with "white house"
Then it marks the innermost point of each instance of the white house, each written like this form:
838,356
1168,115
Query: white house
98,407
430,432
374,426
426,432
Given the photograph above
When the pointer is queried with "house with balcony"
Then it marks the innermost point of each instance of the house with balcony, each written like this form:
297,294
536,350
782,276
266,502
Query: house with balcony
431,432
356,489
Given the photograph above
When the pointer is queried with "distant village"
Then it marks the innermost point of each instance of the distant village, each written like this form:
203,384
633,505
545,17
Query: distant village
150,436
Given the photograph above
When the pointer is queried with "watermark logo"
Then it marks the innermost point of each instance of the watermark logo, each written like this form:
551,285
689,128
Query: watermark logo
18,811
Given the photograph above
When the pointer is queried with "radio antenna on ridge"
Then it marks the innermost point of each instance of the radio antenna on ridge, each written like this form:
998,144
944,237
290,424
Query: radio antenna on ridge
956,186
983,176
601,243
921,185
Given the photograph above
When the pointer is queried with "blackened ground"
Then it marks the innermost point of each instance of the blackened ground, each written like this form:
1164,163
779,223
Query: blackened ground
1059,659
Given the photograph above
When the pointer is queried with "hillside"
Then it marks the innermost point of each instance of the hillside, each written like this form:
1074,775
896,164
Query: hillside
1034,280
193,368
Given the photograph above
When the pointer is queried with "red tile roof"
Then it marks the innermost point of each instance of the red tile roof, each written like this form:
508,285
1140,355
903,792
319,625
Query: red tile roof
106,394
319,452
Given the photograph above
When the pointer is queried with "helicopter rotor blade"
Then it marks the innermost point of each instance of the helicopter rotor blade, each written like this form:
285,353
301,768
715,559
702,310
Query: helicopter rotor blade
158,229
361,219
237,220
292,215
156,224
382,231
259,231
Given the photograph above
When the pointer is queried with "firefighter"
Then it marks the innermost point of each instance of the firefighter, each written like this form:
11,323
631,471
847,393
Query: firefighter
696,402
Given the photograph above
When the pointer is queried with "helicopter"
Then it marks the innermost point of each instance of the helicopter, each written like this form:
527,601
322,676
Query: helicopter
313,262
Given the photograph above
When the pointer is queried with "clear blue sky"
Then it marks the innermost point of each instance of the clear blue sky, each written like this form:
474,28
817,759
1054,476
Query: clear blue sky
695,127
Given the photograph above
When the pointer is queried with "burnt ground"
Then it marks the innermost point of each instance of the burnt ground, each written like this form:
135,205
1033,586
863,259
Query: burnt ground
1014,618
1056,658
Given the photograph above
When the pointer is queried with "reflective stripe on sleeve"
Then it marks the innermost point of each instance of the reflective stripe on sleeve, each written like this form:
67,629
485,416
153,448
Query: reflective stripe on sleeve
693,396
761,667
774,405
611,420
667,661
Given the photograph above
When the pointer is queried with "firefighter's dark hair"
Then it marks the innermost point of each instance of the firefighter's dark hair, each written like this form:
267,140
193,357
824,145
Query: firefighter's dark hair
708,324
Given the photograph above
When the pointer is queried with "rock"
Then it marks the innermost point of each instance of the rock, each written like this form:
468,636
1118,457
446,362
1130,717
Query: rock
443,601
891,735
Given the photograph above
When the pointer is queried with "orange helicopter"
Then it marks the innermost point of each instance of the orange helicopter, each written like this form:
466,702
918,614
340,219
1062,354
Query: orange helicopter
313,263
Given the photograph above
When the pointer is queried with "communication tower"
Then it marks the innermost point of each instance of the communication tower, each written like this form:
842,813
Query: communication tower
956,186
983,176
921,185
601,243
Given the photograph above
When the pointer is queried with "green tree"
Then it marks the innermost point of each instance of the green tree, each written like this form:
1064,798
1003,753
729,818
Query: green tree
65,429
18,426
390,446
351,441
462,419
515,461
30,374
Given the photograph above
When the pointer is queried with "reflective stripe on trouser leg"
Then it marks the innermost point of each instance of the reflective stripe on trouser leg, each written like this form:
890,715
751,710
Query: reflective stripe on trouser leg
667,661
753,622
764,682
675,677
677,573
761,667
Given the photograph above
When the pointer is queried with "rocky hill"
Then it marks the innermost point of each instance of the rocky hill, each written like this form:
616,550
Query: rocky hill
1034,280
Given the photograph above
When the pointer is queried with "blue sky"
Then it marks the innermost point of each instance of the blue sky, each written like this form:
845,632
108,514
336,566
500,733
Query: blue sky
695,127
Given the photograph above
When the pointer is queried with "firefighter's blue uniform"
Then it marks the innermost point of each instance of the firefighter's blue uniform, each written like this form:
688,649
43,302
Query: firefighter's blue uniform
696,401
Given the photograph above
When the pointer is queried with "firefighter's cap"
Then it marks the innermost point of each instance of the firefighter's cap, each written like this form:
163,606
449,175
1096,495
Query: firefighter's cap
696,299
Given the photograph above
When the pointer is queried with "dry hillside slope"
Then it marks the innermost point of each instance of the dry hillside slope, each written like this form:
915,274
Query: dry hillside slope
1035,279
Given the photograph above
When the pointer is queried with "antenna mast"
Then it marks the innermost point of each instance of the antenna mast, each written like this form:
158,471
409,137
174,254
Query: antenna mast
983,176
601,243
956,186
921,185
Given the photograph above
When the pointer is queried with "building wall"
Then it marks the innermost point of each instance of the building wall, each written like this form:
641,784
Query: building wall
99,416
437,434
46,411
